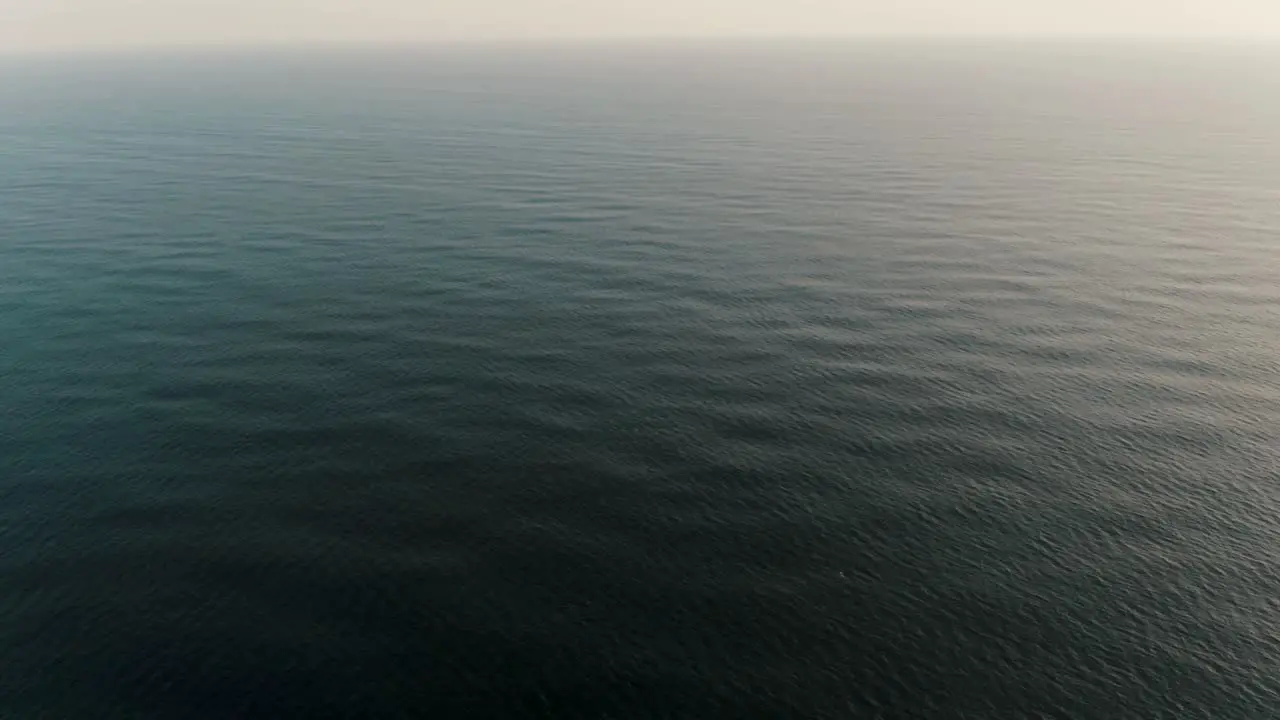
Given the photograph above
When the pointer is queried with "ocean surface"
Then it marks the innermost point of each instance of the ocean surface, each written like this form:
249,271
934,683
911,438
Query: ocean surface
670,381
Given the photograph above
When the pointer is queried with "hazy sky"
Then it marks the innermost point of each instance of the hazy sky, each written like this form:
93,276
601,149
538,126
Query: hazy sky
71,24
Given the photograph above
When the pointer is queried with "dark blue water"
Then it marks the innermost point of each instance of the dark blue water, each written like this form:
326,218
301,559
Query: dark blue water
723,382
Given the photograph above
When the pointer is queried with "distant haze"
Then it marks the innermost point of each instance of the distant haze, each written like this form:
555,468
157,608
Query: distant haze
39,25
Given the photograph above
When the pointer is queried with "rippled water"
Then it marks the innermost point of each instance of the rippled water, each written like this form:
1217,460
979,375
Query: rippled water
659,382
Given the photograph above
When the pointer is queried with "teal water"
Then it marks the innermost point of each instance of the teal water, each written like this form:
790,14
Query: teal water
654,382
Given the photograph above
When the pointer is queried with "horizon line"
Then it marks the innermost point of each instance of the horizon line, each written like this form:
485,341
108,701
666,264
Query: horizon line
258,46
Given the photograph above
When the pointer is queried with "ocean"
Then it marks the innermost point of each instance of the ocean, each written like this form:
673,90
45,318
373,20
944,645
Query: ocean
722,380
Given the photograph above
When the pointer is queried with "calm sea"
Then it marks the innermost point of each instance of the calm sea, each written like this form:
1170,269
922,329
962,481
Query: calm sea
881,381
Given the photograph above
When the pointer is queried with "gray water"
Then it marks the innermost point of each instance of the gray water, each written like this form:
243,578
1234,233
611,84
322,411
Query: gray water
648,382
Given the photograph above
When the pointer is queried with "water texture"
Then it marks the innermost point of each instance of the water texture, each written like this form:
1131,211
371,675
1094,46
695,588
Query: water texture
877,381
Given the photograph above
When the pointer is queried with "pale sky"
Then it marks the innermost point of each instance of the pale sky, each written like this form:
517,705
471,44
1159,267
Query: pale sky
122,24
